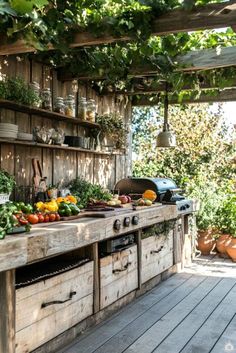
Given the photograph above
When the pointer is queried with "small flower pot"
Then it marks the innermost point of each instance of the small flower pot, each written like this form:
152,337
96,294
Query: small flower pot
231,249
221,243
205,242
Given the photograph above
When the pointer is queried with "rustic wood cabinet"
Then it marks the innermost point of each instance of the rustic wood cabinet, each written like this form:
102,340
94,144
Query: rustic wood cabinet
47,308
157,255
118,275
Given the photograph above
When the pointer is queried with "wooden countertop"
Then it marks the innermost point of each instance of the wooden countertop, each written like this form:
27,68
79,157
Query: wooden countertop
60,237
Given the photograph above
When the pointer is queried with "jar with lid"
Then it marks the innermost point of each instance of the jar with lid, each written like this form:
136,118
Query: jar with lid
36,88
91,110
69,102
59,106
82,108
46,97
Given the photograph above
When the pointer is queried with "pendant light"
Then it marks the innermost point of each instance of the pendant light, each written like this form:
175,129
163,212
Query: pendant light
166,138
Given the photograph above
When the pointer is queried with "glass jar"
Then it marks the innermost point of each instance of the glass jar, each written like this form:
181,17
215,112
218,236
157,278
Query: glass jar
59,106
82,108
36,88
46,97
91,110
70,105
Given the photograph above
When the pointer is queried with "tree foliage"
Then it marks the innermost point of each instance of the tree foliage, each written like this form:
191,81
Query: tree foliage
202,163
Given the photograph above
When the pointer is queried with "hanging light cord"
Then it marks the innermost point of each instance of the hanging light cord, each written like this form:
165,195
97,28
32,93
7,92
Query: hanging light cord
166,105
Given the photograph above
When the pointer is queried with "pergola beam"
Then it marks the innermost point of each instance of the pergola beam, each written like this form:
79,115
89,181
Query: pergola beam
228,95
201,17
198,60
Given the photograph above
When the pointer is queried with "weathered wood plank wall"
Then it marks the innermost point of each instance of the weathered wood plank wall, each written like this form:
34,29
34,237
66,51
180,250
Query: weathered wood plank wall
58,164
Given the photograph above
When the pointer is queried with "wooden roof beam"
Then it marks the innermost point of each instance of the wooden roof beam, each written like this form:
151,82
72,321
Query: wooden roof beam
201,17
198,60
228,95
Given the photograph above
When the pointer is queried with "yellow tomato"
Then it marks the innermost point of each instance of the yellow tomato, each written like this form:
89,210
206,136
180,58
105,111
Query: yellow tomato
40,205
60,199
51,207
72,199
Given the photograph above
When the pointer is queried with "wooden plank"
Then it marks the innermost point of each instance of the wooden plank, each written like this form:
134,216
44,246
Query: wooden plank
227,95
13,106
101,334
227,343
124,337
178,338
13,252
211,335
37,334
175,21
117,280
162,328
29,300
7,312
157,255
96,283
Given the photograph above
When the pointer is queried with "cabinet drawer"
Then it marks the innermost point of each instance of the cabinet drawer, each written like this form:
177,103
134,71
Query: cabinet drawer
157,255
47,308
119,275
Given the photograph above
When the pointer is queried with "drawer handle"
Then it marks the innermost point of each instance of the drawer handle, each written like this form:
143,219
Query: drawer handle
122,269
156,251
44,305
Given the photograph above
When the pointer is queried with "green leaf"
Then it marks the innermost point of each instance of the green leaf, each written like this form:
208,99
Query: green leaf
26,6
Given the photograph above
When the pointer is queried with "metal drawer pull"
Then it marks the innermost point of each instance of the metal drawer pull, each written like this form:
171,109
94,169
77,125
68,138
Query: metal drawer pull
156,251
44,305
122,269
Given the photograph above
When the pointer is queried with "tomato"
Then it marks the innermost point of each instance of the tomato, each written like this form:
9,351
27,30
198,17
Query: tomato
58,217
41,218
23,221
46,218
33,218
52,217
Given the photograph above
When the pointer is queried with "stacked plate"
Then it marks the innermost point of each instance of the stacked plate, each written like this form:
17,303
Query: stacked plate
24,136
8,131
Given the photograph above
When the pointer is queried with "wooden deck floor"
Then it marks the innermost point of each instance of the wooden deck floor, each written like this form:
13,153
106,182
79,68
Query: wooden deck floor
188,313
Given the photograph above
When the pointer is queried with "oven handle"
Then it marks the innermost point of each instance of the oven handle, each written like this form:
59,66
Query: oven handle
44,305
122,269
156,251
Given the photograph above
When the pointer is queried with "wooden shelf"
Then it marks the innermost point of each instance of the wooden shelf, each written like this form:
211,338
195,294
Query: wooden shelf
45,113
56,147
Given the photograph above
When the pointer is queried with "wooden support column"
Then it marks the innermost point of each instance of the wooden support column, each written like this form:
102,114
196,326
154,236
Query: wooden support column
139,244
7,312
96,283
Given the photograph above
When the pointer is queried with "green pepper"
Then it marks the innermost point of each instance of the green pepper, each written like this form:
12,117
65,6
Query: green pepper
27,208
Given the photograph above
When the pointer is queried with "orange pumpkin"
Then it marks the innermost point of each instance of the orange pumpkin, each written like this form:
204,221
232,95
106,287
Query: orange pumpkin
150,195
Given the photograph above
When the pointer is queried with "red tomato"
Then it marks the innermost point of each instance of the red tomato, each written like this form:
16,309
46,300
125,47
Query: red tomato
33,218
52,217
58,217
46,218
41,218
23,221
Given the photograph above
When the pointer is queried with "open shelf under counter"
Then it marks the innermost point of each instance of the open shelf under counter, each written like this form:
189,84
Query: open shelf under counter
57,147
45,113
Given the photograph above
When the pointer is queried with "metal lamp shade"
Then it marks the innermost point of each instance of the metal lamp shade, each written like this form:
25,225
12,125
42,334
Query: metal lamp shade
166,139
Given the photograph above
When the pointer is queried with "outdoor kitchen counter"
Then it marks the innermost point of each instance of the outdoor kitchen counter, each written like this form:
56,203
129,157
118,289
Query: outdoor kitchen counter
57,238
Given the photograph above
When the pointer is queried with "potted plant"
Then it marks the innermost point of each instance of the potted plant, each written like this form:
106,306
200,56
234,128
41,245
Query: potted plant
227,223
113,130
52,191
210,199
7,183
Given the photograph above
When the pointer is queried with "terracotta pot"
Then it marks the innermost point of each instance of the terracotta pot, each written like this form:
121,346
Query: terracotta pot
205,242
231,249
221,242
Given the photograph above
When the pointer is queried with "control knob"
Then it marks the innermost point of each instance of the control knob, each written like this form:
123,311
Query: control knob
117,224
127,221
135,220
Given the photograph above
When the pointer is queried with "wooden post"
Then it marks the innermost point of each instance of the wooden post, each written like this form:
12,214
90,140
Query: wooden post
7,312
139,244
96,283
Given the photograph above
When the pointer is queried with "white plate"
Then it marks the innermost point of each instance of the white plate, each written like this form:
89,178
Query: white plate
8,126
